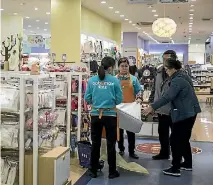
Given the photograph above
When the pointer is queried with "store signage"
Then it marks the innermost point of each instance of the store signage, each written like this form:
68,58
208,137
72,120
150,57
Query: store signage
156,1
143,1
173,1
35,41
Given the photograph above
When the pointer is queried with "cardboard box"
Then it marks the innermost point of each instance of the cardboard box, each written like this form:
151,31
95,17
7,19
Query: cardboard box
46,167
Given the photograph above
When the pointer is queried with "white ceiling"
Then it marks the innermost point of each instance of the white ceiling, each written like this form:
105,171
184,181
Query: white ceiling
134,12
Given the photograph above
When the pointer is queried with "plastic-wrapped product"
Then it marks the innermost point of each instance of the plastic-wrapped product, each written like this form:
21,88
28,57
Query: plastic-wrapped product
9,99
9,136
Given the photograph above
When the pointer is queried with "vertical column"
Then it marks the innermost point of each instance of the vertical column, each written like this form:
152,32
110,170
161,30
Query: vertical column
66,29
130,47
117,34
130,40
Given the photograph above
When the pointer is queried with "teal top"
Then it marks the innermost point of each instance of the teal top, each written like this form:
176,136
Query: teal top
136,85
103,94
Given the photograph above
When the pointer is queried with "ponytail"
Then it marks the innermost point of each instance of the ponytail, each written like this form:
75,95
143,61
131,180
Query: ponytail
106,63
101,72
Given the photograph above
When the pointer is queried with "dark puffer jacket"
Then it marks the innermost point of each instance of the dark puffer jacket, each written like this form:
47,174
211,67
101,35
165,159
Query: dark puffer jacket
181,94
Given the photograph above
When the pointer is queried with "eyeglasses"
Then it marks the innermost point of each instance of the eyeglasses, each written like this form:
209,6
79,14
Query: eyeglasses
124,66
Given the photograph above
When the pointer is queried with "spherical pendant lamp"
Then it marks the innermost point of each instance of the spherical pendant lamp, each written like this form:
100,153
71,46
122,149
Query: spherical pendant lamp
164,27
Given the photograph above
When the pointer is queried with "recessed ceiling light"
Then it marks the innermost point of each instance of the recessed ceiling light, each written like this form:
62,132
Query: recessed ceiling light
36,8
153,10
191,18
29,26
193,0
111,7
126,19
22,4
190,26
1,9
37,20
191,14
38,28
133,24
192,5
150,6
191,23
48,13
116,11
15,14
27,17
156,15
45,29
121,15
103,2
46,22
191,10
130,22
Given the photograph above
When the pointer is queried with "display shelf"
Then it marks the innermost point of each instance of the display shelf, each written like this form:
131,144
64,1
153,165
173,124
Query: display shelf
23,82
202,76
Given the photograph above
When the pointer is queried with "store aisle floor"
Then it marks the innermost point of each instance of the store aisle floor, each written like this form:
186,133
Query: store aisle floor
202,170
203,129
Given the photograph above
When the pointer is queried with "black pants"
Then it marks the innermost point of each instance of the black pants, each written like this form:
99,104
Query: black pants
131,141
164,126
110,124
180,144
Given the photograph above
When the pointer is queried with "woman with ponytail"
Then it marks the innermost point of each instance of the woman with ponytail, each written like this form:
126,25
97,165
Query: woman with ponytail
104,93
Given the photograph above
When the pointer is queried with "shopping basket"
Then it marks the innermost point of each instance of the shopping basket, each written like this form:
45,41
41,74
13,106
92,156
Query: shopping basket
84,153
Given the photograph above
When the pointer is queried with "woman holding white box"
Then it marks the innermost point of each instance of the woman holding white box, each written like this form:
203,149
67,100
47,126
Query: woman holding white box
131,92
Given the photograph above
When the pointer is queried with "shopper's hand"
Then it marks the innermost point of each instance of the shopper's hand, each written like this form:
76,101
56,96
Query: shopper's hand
147,111
139,101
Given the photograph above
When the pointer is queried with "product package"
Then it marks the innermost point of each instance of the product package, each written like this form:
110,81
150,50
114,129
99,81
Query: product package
129,115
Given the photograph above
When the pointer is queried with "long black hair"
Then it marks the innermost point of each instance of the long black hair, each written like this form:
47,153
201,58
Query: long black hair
133,70
173,64
106,63
172,54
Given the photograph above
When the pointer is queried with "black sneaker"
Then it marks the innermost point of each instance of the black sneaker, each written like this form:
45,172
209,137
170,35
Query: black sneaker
160,157
134,156
172,172
93,174
114,175
185,167
121,153
101,165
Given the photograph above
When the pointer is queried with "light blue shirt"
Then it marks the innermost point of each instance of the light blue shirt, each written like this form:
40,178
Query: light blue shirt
103,94
136,85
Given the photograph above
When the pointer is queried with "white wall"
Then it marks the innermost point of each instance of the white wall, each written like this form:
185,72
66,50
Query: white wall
197,53
11,25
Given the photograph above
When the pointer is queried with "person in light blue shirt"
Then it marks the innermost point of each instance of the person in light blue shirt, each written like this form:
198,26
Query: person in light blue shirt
104,93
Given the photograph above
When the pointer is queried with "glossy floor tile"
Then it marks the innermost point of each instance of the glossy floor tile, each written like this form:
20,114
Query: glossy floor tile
201,175
203,128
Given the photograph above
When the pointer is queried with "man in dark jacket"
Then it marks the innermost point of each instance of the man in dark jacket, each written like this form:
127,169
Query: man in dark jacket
184,109
161,85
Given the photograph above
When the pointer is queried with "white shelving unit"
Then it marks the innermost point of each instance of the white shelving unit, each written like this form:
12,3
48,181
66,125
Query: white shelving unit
38,82
80,76
23,77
